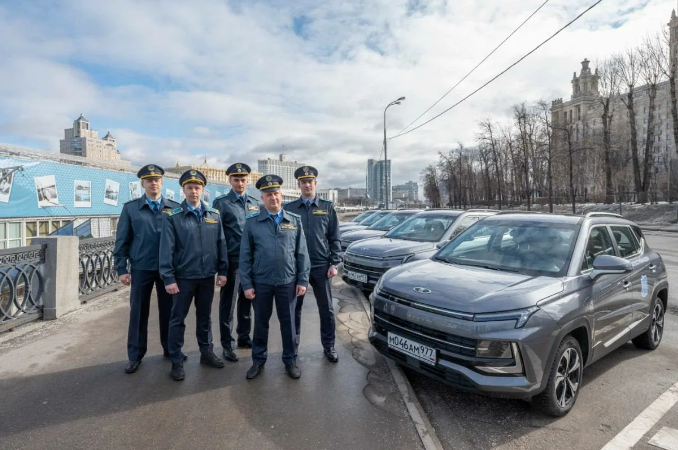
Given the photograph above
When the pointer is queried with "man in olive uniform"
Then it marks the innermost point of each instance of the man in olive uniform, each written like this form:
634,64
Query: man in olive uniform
321,227
192,251
136,243
233,207
273,266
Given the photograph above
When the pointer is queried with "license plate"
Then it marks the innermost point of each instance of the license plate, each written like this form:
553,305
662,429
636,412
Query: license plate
356,276
414,349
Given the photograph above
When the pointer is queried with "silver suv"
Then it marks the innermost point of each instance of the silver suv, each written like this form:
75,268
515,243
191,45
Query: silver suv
419,237
518,305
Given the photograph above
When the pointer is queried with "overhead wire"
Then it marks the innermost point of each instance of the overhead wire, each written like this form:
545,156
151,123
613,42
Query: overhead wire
477,65
500,73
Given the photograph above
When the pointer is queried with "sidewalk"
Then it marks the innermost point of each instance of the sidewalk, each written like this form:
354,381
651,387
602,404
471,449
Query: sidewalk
63,386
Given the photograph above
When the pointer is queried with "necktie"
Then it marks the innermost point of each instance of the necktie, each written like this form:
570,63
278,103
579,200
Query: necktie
156,206
308,206
242,200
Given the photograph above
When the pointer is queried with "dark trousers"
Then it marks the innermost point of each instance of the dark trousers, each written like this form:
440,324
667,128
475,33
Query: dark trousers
202,291
229,296
140,305
322,289
285,300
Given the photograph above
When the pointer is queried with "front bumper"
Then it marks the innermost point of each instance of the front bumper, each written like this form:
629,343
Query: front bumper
456,363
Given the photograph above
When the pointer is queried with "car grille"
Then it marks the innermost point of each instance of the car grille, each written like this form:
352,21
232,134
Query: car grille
438,339
374,271
416,305
448,376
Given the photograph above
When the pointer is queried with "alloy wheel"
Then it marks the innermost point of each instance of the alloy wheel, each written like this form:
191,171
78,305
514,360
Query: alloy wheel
657,326
568,377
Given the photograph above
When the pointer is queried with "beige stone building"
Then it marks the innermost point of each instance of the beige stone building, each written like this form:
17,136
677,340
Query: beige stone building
212,173
82,140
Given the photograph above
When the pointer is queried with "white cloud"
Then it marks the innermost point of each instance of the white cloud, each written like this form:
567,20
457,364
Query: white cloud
232,81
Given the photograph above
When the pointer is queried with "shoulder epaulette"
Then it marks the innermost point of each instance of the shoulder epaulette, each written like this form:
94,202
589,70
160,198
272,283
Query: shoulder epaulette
220,197
174,211
133,200
326,200
293,214
214,210
249,216
172,202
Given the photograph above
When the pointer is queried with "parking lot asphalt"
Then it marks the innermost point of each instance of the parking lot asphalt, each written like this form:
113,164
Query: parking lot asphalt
616,390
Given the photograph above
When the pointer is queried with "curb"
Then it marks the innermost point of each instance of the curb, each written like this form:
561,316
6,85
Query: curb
425,430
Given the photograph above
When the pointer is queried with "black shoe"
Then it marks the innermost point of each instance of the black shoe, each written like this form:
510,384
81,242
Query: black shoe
254,371
244,343
177,373
210,359
229,354
331,354
132,366
292,370
167,355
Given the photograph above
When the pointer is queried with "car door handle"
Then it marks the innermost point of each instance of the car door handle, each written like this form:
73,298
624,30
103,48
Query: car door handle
627,285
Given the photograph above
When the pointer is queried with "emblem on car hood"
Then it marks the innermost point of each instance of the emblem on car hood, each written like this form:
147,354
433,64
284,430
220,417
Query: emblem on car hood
422,290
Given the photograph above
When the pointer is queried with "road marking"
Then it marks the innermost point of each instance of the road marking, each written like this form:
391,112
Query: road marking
629,436
666,439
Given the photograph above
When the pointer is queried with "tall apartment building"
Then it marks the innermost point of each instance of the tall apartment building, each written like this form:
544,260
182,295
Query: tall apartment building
82,140
282,168
375,179
408,192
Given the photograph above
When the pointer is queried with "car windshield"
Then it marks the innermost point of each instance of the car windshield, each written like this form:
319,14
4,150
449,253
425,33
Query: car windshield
531,248
390,221
423,227
374,217
362,216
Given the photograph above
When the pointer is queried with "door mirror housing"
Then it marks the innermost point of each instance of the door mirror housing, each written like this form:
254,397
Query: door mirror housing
608,264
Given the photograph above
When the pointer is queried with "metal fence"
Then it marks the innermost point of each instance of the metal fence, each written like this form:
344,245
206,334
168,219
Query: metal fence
21,285
97,270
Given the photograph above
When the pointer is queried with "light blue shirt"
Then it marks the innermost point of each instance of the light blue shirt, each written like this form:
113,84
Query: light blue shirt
154,204
197,211
277,217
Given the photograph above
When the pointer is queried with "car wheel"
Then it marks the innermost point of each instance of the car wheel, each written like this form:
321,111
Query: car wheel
652,337
565,379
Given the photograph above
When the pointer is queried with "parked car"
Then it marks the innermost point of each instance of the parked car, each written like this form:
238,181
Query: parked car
518,305
357,219
416,238
372,219
378,229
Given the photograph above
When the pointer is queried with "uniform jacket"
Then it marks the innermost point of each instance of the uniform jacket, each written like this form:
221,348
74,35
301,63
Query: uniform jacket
273,254
138,235
321,226
233,214
190,248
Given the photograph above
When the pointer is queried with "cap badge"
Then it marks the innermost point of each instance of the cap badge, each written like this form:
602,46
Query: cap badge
270,184
238,166
151,168
269,178
193,172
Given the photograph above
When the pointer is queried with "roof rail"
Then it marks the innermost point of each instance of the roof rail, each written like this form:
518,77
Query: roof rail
598,213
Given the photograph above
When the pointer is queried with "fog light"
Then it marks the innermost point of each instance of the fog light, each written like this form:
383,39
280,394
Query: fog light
494,349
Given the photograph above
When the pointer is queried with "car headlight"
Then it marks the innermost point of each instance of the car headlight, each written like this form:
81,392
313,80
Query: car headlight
494,349
521,316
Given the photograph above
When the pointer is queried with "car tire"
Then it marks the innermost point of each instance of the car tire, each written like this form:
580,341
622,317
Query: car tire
565,379
652,337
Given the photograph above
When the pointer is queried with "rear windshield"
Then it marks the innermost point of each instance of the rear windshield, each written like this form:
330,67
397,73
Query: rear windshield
426,228
390,221
374,218
525,247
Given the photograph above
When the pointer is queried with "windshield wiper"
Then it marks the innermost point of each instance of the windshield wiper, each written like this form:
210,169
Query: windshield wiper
490,267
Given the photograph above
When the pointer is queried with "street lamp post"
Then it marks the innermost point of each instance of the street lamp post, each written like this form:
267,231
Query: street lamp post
385,169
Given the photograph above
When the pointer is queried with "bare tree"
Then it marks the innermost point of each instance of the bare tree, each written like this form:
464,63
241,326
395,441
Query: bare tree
431,180
488,136
629,71
609,80
546,123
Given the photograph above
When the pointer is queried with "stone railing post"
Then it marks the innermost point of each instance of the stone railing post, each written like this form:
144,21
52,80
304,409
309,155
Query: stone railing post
61,274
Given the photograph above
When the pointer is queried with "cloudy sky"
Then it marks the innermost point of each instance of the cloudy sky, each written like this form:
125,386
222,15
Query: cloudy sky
241,80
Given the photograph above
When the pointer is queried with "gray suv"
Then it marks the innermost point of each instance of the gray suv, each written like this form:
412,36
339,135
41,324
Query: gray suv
518,305
419,237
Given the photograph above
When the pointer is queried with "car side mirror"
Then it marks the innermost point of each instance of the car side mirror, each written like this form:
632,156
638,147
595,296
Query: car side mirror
441,244
608,264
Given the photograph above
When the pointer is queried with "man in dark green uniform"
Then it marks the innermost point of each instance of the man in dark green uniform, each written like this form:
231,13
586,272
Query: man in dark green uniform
136,244
321,227
192,251
233,208
273,266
